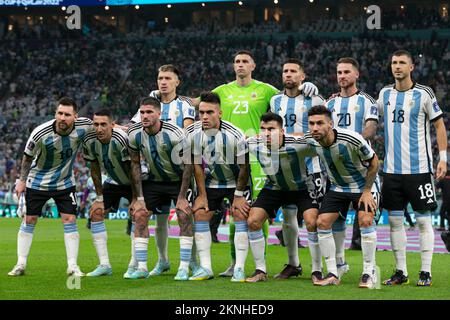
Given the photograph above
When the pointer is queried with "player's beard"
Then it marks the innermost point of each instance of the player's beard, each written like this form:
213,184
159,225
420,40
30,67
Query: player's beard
290,85
62,128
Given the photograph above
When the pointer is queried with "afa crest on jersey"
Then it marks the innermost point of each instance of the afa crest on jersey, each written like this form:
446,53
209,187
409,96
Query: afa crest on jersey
357,108
254,95
436,107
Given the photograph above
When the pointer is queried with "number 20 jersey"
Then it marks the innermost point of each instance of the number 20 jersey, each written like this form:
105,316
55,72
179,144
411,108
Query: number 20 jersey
54,155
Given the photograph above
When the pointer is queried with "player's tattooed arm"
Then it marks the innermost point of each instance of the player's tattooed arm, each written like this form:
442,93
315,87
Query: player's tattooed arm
370,129
367,198
25,167
136,183
24,171
182,203
96,175
240,204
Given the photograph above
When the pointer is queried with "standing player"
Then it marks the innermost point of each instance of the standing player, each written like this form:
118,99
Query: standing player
352,167
283,160
47,172
178,111
157,141
243,102
293,107
354,110
107,149
222,148
408,110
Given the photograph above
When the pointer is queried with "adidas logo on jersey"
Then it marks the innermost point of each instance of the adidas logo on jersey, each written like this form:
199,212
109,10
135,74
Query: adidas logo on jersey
430,200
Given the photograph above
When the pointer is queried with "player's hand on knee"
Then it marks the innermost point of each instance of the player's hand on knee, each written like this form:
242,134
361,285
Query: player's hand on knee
184,206
241,205
97,208
138,206
309,89
368,201
200,203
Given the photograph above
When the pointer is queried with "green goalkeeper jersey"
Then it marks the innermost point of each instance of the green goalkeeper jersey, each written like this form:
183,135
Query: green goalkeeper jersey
244,106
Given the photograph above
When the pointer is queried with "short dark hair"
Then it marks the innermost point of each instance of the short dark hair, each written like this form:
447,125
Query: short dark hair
270,116
210,97
243,52
295,61
104,112
150,101
319,110
403,53
66,101
169,68
350,60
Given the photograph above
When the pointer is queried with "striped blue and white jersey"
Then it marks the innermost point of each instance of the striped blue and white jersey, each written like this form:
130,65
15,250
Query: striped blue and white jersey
353,112
54,155
285,168
407,116
174,112
294,111
157,150
112,156
222,151
345,160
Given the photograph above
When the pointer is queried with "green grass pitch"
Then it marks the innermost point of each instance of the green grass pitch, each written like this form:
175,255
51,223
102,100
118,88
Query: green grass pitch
46,279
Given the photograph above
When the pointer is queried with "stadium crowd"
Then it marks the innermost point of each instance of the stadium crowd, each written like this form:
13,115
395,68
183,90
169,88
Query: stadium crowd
101,67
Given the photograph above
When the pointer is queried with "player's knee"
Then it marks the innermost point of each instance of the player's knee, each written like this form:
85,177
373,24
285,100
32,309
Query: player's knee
254,224
365,221
97,217
68,218
311,225
323,223
183,218
202,216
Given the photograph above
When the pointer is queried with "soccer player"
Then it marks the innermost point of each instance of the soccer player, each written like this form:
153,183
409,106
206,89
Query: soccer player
47,172
178,111
293,107
222,148
283,160
408,109
243,102
352,168
354,110
157,141
107,149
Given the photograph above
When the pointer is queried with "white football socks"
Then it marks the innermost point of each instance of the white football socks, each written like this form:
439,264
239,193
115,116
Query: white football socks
100,239
203,242
368,246
133,262
328,249
426,235
24,240
241,243
162,236
398,240
141,251
185,251
339,240
258,244
72,242
290,234
314,250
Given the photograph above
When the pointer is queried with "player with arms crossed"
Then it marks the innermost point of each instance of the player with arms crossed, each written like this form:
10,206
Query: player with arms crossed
156,141
408,109
47,172
355,110
352,167
283,160
222,147
293,107
107,149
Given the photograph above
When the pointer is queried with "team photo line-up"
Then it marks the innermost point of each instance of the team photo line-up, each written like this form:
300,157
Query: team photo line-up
315,156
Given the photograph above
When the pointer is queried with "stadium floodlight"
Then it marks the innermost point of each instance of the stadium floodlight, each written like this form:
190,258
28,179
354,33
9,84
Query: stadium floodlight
169,6
63,8
203,4
275,1
311,1
136,7
240,3
106,7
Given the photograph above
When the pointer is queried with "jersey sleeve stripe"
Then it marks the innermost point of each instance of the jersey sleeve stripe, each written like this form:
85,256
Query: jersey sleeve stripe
426,89
349,141
42,132
369,97
120,139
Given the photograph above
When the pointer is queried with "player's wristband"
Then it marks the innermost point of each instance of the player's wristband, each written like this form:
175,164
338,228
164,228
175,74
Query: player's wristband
140,198
99,199
443,155
238,193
